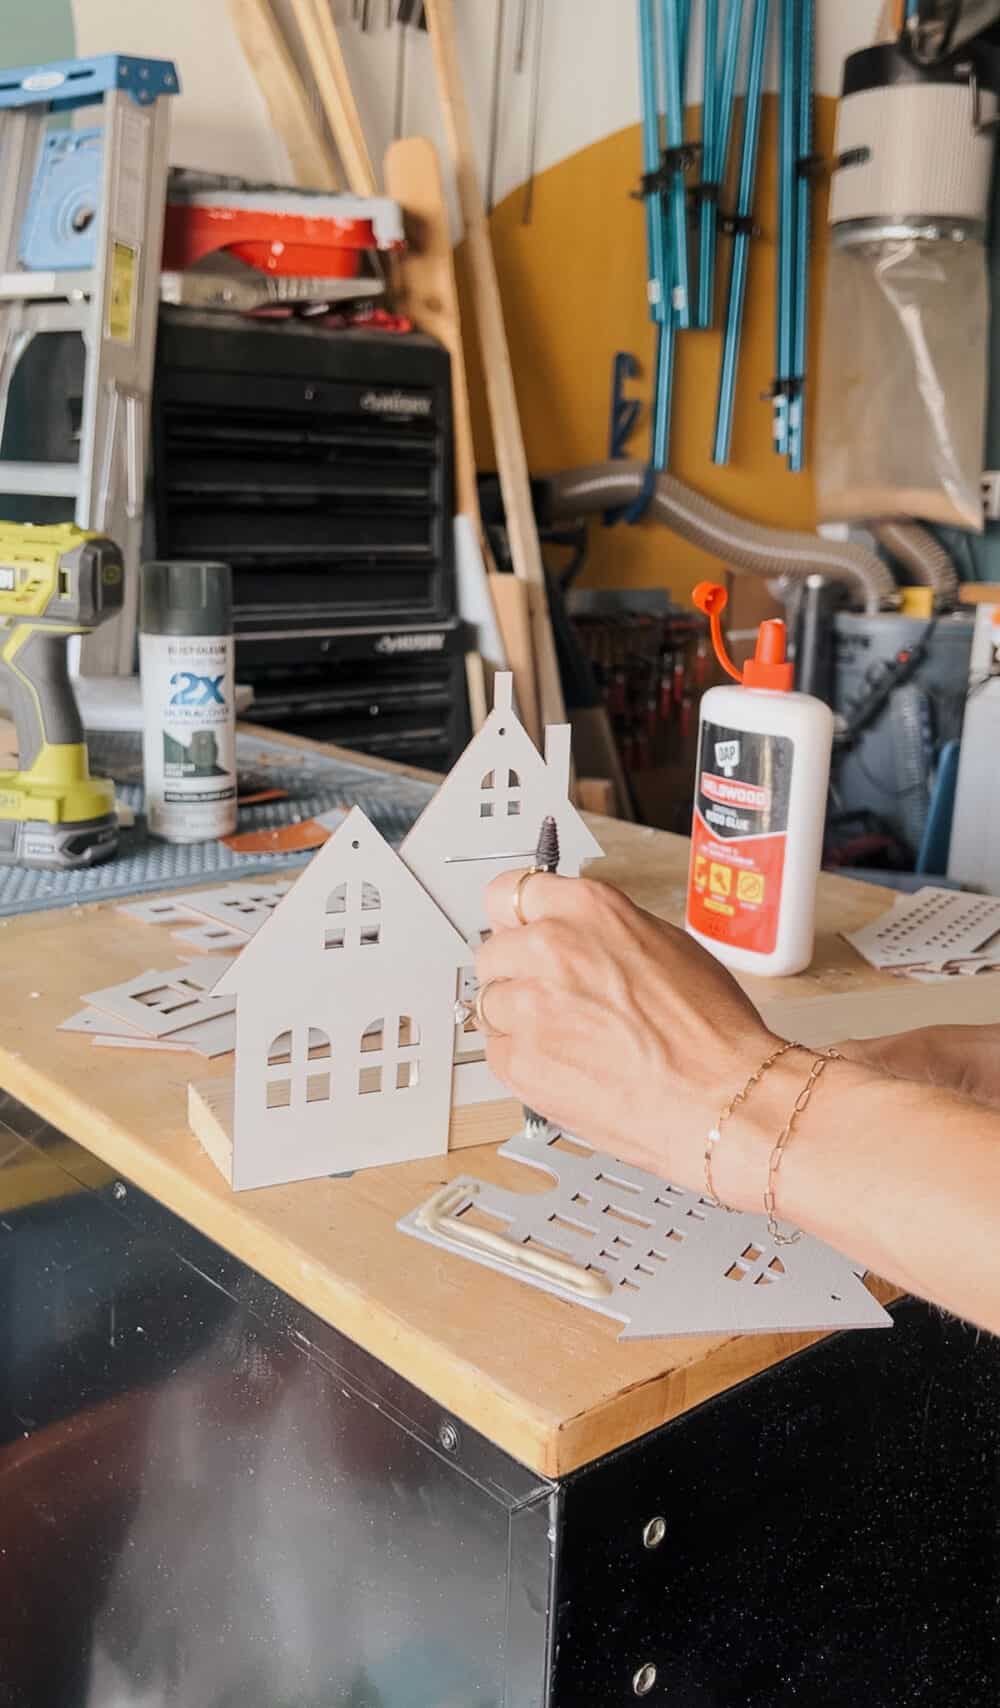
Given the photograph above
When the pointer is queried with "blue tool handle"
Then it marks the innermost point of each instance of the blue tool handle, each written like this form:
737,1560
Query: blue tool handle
787,149
673,17
727,90
707,223
658,285
803,210
741,241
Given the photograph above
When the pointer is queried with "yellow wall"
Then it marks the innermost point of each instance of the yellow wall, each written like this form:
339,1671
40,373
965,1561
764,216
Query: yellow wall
573,285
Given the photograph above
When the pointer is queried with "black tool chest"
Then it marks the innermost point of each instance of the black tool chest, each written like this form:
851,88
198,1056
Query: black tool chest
318,464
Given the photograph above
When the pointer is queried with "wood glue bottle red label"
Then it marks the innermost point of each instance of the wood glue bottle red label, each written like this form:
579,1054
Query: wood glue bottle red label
759,811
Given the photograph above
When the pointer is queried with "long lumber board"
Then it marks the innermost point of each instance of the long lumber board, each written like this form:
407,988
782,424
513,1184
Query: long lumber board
512,463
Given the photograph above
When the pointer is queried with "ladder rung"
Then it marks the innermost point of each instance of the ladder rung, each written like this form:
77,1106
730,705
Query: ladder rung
43,287
40,480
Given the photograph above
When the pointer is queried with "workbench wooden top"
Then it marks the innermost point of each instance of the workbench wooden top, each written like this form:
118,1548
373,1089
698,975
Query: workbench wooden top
544,1379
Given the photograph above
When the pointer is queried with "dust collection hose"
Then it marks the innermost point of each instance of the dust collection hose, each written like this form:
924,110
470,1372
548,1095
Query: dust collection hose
745,547
917,551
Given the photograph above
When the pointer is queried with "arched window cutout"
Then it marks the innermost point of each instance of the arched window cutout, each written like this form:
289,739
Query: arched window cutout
365,900
305,1062
318,1081
503,789
388,1056
373,1038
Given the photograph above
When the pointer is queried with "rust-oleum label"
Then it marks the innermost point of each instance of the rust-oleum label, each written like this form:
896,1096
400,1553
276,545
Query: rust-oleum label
738,836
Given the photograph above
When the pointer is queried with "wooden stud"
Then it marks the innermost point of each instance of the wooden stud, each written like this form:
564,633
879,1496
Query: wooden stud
277,75
508,439
427,291
326,60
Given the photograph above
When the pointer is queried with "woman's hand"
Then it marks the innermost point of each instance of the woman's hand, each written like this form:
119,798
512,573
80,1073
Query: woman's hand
613,1024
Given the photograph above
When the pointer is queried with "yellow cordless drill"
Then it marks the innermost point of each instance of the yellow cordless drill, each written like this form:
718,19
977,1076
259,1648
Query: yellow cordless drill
54,582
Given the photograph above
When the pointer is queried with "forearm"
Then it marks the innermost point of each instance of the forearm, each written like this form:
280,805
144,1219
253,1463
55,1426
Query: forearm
958,1058
903,1178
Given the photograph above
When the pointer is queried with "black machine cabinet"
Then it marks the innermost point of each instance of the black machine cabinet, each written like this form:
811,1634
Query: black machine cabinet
317,463
209,1497
393,693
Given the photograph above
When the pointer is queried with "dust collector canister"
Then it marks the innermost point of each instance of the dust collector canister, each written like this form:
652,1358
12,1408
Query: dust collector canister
913,144
188,710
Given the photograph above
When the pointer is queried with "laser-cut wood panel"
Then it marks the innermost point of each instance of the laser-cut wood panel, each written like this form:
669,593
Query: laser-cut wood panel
659,1259
345,1028
486,816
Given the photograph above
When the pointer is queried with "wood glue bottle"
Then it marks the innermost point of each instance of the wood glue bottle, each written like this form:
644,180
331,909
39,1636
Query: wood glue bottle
188,710
760,808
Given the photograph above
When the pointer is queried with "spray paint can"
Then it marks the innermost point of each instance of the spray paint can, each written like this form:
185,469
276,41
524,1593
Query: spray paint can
188,710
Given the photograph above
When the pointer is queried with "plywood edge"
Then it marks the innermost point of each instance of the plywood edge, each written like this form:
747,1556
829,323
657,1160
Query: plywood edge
702,1367
210,1118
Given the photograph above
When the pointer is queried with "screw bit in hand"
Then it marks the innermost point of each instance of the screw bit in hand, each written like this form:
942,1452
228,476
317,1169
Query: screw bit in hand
546,860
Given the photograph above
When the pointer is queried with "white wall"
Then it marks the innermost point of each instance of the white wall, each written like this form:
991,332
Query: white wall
589,79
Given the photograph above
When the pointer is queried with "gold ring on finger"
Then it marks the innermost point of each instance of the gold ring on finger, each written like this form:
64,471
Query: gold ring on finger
519,891
479,1010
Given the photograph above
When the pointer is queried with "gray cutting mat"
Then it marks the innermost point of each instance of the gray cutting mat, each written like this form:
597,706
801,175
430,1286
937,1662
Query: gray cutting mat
315,782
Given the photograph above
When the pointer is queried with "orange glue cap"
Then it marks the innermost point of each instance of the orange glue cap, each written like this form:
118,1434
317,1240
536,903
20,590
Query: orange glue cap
769,667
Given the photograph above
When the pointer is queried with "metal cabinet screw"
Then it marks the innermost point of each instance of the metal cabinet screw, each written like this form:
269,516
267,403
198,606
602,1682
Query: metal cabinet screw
119,1191
654,1533
448,1437
644,1679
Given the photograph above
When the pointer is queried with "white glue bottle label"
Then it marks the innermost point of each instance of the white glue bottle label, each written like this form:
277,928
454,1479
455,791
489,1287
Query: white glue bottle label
189,722
760,809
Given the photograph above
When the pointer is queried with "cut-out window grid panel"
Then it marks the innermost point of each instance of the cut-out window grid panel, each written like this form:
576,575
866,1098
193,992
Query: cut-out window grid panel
389,1055
299,1068
353,915
500,794
650,1255
933,925
160,1002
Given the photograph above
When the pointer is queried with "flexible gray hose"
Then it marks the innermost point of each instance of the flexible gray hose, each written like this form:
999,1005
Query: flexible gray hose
917,550
745,547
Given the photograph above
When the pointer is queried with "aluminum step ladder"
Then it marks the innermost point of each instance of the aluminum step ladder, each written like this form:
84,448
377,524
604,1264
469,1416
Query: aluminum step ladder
81,234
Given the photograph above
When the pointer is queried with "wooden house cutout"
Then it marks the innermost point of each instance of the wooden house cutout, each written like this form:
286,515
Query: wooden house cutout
344,1020
486,816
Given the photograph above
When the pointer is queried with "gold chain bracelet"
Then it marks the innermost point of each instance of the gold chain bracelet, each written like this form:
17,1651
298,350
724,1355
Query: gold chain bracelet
715,1133
822,1060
